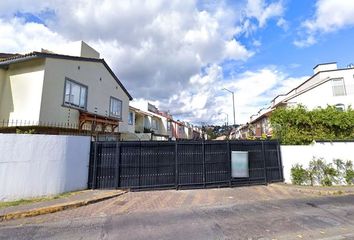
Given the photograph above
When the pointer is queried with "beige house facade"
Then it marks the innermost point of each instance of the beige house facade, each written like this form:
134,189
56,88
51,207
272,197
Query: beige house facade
67,91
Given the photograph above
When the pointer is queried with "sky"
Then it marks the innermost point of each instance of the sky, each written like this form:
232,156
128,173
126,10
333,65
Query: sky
179,55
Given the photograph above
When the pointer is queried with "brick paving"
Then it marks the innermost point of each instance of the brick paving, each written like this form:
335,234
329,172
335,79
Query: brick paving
149,201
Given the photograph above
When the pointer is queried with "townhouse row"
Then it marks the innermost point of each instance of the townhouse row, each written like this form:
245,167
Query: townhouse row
73,90
147,122
329,85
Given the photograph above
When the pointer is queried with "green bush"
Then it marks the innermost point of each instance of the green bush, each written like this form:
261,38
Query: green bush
29,131
300,126
299,175
349,172
326,174
349,177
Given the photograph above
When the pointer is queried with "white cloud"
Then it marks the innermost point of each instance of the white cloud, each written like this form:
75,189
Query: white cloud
330,16
309,41
283,24
262,11
20,37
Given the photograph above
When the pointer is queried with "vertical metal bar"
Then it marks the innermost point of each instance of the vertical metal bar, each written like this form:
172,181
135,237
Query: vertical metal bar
280,163
94,175
230,164
139,165
176,165
204,170
264,163
117,165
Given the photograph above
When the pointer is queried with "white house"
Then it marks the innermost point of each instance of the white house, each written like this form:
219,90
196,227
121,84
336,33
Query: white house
329,85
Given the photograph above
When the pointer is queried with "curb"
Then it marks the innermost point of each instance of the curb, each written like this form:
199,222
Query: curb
56,208
316,191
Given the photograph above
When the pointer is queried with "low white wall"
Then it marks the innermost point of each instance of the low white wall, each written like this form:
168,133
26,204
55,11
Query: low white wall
303,154
39,165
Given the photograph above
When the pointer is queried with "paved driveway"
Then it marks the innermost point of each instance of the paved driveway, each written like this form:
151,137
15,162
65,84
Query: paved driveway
149,201
259,212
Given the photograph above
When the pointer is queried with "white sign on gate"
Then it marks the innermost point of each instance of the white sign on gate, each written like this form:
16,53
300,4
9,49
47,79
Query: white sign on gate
239,164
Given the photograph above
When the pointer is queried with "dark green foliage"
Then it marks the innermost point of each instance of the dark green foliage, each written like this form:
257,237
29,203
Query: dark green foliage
301,126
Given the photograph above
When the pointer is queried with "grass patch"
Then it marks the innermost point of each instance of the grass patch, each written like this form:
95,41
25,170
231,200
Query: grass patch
35,200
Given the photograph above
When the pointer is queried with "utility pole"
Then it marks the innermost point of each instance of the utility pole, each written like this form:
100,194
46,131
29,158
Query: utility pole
233,103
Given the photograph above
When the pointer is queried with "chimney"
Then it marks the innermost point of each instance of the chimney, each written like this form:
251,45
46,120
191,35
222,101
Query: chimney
324,67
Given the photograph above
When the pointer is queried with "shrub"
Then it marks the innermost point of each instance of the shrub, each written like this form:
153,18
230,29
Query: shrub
299,175
319,172
29,131
298,125
349,172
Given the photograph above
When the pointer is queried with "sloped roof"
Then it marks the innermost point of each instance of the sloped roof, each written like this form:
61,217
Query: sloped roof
8,55
35,55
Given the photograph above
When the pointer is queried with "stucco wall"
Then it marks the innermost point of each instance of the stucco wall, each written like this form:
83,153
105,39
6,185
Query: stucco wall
38,165
101,86
21,91
304,154
322,95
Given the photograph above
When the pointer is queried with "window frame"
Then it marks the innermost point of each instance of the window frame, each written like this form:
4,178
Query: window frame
154,124
336,86
110,108
72,105
168,125
130,120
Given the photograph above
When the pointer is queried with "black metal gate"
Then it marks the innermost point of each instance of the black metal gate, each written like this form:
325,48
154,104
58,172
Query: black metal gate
178,164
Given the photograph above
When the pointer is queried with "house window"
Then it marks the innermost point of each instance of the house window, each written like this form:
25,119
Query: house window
338,87
130,118
340,107
181,129
168,125
146,122
115,108
75,94
154,124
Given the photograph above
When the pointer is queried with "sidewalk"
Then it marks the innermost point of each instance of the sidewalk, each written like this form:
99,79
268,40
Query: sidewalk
319,190
54,205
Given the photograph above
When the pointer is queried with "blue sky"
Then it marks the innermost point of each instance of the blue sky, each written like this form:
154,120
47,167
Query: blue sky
180,54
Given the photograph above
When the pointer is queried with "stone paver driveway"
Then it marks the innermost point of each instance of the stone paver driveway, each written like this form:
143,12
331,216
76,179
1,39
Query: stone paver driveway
148,201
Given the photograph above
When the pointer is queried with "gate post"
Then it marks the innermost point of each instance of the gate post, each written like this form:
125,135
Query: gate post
176,165
94,175
204,171
264,163
117,165
230,164
280,163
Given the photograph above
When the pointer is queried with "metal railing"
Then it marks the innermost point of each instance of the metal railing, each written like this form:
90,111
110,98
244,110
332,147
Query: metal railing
42,127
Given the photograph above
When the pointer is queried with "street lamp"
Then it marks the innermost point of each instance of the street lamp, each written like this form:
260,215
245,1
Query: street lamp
233,102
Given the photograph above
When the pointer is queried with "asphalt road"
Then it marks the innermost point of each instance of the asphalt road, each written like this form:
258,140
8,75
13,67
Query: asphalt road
327,218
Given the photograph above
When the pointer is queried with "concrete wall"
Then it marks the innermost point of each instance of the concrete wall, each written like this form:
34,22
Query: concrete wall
304,154
21,91
39,165
101,86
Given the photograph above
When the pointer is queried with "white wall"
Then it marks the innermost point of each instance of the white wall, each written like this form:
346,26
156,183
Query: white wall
322,95
303,154
21,91
38,165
